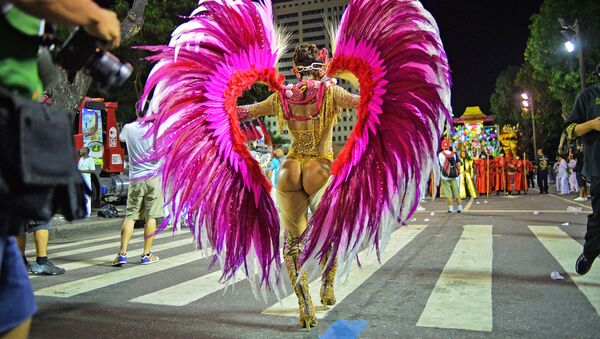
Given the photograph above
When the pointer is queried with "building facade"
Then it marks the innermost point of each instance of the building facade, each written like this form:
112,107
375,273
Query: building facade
305,19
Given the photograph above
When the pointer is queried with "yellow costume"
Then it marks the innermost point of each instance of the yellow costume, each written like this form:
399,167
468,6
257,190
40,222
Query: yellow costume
467,172
311,138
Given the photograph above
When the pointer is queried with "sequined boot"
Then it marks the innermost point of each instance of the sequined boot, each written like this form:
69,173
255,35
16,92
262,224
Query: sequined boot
327,280
292,250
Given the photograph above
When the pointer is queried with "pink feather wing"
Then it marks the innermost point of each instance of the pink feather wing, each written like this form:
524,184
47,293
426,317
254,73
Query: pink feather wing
209,176
394,49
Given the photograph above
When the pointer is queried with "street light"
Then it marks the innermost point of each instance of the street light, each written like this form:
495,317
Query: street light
528,104
569,46
571,33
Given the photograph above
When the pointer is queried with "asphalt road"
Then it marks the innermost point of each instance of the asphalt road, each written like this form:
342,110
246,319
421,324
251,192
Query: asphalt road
482,273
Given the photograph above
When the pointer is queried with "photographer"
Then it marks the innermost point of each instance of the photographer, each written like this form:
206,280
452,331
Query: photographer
584,123
19,25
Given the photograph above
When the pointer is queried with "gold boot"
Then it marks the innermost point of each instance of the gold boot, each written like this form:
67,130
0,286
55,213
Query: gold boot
327,280
292,250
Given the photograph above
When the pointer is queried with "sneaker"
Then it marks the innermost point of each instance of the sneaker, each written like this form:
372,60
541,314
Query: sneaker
120,260
450,209
459,209
580,199
148,259
46,269
420,208
583,264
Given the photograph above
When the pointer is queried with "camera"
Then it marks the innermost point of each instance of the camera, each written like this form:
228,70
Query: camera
82,51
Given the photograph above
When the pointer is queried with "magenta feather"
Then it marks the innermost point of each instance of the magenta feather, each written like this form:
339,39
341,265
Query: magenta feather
209,176
394,48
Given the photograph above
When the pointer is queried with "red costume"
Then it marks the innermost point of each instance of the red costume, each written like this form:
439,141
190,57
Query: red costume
483,175
500,169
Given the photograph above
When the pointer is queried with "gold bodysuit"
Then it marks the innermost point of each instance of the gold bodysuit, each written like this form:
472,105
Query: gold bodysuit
310,139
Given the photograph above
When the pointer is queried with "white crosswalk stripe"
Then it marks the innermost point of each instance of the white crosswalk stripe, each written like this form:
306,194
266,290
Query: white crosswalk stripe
462,296
369,265
566,250
104,280
54,247
107,259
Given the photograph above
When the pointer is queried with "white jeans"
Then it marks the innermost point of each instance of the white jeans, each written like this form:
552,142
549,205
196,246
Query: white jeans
88,205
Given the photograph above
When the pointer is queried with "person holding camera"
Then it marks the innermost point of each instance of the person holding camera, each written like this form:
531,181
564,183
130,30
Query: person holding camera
20,27
584,123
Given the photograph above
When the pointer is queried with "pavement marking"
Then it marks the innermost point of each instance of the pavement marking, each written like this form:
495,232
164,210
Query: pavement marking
82,242
570,201
56,255
566,250
469,204
507,211
399,239
347,329
462,296
107,259
186,292
80,286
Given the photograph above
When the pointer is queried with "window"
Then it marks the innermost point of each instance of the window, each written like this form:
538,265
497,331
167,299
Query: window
314,38
312,21
285,16
310,30
316,11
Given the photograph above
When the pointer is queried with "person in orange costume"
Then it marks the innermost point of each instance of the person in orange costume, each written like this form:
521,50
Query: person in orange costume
500,169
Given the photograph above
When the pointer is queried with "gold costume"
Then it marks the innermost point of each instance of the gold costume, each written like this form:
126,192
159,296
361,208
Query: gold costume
310,139
467,171
314,142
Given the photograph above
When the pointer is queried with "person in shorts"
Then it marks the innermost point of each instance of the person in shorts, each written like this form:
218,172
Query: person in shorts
450,175
42,265
144,197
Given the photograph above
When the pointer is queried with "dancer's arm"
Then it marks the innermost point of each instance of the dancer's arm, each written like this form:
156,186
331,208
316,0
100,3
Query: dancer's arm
344,99
263,108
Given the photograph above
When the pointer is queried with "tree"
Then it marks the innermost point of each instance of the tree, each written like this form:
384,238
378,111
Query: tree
503,103
161,19
69,94
547,110
545,48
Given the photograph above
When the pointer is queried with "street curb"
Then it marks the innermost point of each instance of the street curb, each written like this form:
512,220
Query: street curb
62,229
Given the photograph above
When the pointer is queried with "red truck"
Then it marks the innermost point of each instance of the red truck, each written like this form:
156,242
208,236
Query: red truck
96,127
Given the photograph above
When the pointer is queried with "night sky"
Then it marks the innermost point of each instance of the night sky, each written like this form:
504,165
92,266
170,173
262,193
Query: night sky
481,38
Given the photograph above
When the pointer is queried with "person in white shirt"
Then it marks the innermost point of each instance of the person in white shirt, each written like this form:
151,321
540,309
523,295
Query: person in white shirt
449,181
144,196
87,167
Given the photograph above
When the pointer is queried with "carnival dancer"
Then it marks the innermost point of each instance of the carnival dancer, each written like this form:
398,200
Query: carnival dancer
520,176
467,176
404,102
483,174
500,169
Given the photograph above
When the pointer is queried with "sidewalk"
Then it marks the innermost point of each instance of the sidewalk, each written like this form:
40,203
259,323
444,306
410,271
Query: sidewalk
63,229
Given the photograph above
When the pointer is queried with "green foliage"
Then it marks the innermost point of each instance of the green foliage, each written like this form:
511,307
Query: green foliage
545,48
504,102
257,93
161,17
547,110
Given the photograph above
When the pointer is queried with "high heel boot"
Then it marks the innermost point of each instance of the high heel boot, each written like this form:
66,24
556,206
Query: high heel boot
327,280
292,250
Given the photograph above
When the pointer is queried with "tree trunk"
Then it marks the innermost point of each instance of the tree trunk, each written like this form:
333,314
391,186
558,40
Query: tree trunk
69,95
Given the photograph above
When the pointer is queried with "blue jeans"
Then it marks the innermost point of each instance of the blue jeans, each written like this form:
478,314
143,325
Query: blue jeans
17,303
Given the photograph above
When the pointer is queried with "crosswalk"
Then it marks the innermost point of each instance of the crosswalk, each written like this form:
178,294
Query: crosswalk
461,297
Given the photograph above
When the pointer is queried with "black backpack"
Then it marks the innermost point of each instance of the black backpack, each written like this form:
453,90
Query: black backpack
450,169
108,211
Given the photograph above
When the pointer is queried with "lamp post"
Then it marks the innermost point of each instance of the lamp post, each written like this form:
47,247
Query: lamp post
526,103
571,33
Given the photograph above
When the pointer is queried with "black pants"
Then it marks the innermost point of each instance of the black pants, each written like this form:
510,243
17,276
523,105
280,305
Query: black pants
542,179
530,180
591,248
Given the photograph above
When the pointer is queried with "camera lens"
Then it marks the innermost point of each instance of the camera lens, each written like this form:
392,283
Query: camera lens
109,70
